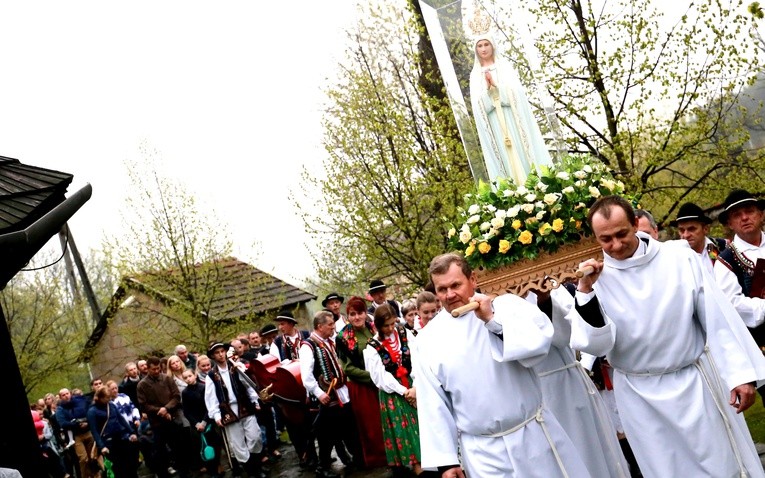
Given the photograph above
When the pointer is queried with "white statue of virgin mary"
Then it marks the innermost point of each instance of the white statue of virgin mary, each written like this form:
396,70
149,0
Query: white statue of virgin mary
510,137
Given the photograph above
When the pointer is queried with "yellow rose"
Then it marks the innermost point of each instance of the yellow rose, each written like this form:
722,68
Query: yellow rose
504,246
545,228
557,225
516,224
484,247
470,250
525,237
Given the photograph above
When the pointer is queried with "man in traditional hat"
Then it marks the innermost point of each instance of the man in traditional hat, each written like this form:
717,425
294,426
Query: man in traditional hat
377,291
287,343
267,335
232,403
332,303
740,269
693,226
683,362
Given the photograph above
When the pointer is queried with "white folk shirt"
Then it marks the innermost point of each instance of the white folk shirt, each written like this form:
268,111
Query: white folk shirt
307,361
211,399
474,388
293,339
751,309
661,310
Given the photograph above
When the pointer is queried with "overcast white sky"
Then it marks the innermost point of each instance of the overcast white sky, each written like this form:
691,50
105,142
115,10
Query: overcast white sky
227,92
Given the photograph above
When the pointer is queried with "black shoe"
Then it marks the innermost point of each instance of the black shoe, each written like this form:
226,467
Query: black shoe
308,464
325,473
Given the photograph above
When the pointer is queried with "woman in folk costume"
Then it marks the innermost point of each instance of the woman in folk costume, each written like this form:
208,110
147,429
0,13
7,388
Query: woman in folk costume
388,358
351,341
510,138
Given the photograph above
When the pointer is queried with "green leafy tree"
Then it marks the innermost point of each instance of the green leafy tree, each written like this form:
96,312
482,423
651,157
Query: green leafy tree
395,167
174,249
657,99
47,327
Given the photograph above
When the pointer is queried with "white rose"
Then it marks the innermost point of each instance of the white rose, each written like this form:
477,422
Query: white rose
490,207
484,226
513,211
473,219
587,168
465,237
531,197
508,192
465,228
539,205
497,222
620,185
594,192
542,186
474,209
501,213
608,183
580,184
562,175
551,199
452,232
521,190
568,190
540,215
581,205
527,208
580,175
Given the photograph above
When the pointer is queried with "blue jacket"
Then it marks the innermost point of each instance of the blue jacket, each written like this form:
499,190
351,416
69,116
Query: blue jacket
116,428
70,414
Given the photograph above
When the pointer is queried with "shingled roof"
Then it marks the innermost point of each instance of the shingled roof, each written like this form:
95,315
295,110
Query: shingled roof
242,292
27,193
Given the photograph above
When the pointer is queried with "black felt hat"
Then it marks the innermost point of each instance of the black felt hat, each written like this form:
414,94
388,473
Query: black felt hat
332,296
376,285
736,199
217,345
285,315
268,329
690,212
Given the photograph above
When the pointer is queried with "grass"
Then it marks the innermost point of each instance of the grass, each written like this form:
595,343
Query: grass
755,419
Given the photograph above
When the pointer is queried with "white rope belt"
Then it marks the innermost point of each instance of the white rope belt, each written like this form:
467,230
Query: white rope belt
720,406
540,419
559,369
653,374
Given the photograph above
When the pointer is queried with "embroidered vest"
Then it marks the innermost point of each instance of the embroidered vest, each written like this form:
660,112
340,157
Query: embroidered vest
743,268
246,407
287,349
387,361
326,365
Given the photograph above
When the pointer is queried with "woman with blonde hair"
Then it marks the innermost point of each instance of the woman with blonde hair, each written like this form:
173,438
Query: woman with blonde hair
175,369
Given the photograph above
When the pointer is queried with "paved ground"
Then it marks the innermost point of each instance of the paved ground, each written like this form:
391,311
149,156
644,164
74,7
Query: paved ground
287,467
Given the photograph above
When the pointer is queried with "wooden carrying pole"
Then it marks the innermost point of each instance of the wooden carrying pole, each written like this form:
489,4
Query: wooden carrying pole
545,284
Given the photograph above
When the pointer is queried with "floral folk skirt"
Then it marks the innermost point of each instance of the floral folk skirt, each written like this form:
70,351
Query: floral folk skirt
400,431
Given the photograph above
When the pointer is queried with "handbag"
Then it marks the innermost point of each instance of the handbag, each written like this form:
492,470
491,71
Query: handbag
207,452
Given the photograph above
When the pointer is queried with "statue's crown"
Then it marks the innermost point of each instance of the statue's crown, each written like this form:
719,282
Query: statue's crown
480,24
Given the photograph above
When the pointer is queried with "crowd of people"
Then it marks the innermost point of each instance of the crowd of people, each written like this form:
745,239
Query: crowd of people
641,368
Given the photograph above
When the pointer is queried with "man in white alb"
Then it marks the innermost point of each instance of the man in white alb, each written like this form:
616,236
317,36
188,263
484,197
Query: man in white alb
476,390
684,364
